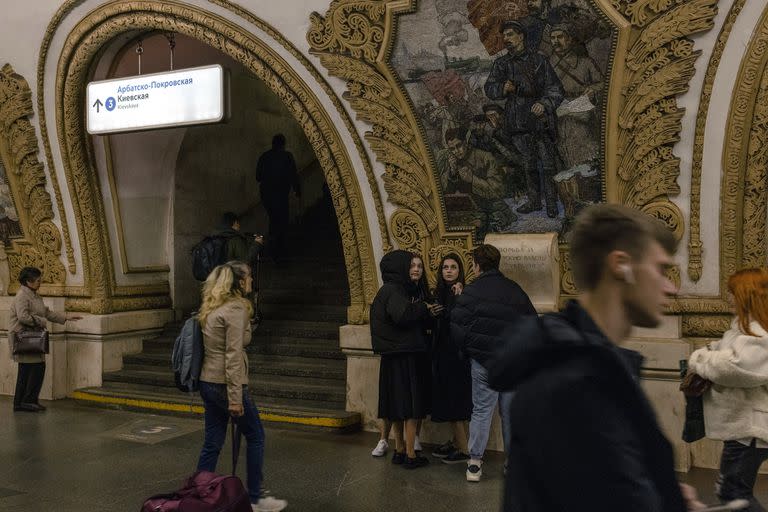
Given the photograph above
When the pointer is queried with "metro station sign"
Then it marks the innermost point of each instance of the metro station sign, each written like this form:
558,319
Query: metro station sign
160,100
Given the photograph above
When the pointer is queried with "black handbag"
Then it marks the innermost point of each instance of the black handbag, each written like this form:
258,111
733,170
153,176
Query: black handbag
29,341
693,387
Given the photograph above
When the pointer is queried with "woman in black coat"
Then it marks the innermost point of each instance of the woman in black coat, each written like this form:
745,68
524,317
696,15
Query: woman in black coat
451,381
397,333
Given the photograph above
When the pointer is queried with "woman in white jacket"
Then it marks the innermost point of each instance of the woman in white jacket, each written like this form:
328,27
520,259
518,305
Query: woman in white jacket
736,406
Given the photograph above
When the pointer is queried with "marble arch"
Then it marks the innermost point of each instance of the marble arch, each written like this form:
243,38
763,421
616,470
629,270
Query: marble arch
79,52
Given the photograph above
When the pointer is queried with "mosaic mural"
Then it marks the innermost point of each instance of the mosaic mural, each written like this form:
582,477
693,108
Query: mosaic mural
509,94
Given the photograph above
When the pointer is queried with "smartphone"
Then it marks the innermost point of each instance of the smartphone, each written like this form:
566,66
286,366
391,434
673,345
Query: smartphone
731,505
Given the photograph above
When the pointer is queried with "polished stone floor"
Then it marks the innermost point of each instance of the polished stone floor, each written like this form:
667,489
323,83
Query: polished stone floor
75,458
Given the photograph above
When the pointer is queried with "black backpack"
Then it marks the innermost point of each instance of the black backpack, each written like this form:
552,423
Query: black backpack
209,253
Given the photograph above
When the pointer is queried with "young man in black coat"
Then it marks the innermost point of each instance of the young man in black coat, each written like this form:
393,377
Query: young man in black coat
584,435
484,308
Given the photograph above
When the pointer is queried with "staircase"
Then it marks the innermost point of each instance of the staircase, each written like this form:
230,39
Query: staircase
297,371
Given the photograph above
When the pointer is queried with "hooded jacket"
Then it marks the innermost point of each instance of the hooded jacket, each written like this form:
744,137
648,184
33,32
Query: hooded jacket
736,406
397,321
584,436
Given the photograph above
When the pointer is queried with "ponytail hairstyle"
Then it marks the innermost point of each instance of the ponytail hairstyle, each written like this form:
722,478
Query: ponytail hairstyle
223,285
750,293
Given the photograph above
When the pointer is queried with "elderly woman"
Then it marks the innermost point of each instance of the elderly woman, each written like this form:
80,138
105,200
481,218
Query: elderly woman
28,310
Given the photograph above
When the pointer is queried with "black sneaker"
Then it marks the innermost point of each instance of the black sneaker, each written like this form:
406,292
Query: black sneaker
416,462
398,457
455,457
444,450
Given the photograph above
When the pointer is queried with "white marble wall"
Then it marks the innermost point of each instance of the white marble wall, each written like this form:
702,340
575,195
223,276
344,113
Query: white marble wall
363,389
81,351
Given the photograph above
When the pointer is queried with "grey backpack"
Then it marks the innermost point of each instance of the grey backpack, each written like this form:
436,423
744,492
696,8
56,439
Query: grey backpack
187,357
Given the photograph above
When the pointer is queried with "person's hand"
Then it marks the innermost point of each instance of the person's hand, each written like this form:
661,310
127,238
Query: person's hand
457,288
435,309
537,109
691,498
236,410
509,87
73,317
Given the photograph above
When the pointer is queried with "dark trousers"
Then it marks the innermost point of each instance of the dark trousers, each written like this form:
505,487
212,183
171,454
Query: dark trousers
29,381
277,210
217,417
738,471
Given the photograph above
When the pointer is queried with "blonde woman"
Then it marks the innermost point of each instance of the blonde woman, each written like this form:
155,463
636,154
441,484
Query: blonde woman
225,320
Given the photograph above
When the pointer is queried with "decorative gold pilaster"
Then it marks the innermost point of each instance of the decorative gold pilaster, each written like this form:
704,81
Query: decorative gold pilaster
41,245
353,41
743,191
695,265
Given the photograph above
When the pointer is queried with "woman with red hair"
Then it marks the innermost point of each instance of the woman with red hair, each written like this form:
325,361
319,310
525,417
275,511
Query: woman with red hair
736,405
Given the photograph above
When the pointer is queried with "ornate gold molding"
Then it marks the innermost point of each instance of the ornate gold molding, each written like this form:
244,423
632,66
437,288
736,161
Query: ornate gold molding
653,63
743,191
695,265
50,31
277,36
352,41
659,66
83,45
41,246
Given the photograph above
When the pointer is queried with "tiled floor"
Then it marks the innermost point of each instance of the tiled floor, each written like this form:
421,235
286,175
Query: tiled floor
75,458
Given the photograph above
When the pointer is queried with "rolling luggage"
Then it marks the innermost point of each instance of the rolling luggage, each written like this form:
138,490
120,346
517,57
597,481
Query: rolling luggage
205,491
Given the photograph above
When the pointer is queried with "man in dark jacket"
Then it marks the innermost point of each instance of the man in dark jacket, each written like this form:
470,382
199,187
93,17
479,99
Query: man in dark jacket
487,305
584,435
397,334
276,171
240,247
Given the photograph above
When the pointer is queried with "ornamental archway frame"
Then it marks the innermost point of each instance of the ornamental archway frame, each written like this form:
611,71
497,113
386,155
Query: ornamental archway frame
79,53
652,60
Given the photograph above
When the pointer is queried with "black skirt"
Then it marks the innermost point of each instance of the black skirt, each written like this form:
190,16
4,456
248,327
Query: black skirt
451,382
404,386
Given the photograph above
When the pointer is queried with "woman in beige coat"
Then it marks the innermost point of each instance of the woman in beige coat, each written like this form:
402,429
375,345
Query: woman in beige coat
28,310
225,316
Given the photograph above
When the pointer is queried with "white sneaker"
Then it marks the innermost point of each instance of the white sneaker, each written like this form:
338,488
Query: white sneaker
381,448
474,470
416,445
269,504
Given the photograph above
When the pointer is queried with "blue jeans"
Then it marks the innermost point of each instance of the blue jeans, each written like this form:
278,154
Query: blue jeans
216,420
484,401
738,471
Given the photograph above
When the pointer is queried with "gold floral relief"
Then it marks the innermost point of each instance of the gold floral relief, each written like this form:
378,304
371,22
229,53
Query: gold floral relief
653,62
41,244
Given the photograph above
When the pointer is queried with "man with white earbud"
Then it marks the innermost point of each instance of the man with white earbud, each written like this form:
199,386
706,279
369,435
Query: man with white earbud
584,436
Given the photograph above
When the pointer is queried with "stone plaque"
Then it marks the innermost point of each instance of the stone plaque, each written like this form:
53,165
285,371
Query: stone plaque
533,261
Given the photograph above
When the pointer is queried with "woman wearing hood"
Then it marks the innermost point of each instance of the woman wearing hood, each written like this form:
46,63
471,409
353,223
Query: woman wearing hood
397,333
735,406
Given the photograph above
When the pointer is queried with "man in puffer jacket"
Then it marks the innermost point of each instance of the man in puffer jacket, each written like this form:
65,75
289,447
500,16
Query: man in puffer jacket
483,309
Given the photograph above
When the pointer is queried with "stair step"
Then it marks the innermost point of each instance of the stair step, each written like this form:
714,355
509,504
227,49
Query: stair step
258,365
300,297
292,412
276,386
336,314
296,348
297,329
